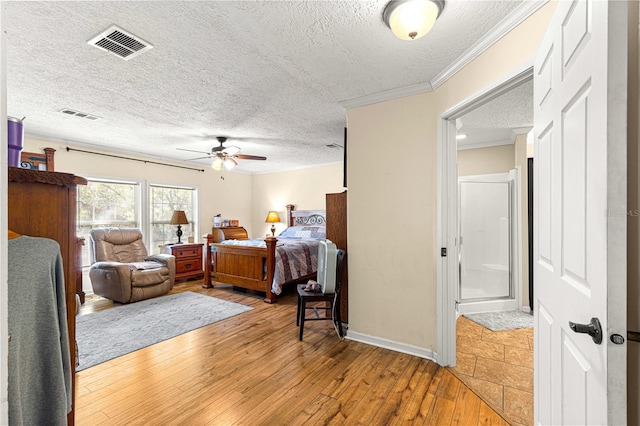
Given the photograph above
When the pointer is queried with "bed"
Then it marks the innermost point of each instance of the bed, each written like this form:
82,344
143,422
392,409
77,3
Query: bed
268,264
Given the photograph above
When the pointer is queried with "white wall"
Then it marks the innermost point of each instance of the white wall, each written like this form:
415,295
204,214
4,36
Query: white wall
633,220
392,270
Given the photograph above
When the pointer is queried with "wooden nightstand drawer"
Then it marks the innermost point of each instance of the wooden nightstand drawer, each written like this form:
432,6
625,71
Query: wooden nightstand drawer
188,260
188,252
188,266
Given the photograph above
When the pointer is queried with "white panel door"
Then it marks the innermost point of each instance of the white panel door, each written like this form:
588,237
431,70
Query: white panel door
579,217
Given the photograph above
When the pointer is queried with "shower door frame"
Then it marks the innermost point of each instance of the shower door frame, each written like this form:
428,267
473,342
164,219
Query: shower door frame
506,303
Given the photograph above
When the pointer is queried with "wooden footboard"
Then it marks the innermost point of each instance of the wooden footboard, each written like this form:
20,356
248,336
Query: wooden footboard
246,267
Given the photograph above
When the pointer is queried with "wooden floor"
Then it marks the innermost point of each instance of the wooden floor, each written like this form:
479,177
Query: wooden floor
498,366
251,369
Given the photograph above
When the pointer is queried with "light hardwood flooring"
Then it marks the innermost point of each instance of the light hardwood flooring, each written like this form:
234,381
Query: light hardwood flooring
251,369
498,366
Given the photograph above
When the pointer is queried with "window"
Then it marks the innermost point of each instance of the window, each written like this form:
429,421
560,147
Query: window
164,200
105,204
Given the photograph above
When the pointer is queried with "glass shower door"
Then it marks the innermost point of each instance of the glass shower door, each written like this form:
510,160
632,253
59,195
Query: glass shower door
485,240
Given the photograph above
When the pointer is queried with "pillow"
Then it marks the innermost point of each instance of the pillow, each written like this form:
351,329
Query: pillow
304,232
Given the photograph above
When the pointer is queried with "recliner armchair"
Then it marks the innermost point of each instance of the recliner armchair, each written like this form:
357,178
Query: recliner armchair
122,270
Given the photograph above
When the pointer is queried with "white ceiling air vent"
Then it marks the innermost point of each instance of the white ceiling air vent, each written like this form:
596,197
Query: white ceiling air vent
120,42
79,114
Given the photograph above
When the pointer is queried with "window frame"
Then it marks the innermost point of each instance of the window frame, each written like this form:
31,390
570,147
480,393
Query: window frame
144,200
195,220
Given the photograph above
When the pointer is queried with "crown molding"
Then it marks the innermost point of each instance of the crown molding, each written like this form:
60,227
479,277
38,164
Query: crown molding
400,92
520,131
515,18
484,145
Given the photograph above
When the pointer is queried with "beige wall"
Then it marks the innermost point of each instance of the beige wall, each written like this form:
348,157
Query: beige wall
239,196
480,161
392,271
633,221
305,188
231,196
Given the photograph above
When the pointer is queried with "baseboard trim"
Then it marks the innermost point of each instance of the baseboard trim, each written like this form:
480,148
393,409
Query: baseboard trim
392,345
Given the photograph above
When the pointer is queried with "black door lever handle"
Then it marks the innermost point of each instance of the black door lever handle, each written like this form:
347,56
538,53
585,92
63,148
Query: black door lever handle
593,329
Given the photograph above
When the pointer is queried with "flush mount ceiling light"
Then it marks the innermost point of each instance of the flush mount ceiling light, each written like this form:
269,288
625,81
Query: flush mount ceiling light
411,19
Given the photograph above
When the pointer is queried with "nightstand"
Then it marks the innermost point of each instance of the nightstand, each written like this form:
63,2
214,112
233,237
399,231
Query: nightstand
188,260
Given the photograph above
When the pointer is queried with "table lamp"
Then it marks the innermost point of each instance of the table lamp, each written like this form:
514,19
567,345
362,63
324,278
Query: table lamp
272,218
179,218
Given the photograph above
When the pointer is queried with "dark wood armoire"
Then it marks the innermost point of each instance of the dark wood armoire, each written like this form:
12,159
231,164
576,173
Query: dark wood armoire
336,214
43,204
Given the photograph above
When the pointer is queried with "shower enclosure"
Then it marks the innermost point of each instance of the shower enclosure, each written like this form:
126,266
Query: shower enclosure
488,242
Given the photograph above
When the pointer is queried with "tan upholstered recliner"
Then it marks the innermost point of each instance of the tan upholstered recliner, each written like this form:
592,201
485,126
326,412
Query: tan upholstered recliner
122,270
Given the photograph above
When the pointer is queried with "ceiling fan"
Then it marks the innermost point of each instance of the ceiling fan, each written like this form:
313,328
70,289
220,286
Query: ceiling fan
224,157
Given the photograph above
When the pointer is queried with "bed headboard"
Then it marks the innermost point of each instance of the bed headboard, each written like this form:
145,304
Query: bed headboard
305,217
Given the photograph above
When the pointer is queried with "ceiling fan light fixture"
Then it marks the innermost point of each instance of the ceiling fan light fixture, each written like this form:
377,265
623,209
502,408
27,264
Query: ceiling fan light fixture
229,163
412,19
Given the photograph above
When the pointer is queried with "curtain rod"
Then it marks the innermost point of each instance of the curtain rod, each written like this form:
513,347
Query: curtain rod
135,159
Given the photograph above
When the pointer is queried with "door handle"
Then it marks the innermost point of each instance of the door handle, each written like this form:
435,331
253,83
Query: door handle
593,329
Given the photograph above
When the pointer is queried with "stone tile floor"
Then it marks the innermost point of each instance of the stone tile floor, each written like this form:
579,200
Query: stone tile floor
498,367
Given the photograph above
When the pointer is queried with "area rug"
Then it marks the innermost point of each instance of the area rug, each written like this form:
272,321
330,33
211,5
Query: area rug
111,333
500,321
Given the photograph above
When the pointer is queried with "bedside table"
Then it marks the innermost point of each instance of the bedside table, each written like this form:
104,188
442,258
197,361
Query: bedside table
188,260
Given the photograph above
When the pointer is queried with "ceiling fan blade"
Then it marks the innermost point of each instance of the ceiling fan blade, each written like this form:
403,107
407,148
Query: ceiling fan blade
198,158
191,150
250,157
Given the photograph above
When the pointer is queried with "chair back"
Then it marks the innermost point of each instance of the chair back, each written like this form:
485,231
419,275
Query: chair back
123,245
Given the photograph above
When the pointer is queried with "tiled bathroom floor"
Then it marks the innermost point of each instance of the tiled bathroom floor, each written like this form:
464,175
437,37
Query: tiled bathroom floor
498,367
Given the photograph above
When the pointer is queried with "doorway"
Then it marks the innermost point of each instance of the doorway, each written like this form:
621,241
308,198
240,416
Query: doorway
491,273
488,229
451,122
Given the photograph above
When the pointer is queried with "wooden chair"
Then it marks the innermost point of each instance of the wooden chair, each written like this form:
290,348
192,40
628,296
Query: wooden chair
330,301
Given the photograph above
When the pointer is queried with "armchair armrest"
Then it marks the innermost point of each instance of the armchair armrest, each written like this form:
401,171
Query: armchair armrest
111,280
168,260
165,259
121,269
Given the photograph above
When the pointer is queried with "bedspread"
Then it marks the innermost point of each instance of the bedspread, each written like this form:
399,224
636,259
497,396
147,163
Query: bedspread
295,258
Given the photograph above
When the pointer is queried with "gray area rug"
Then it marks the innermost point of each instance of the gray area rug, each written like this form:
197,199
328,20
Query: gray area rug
108,334
500,321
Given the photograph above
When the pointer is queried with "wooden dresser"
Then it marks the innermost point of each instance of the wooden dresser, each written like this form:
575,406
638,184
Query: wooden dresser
188,260
43,204
227,233
218,235
336,206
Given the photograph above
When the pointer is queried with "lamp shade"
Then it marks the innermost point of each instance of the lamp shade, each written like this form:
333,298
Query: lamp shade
411,19
272,217
179,217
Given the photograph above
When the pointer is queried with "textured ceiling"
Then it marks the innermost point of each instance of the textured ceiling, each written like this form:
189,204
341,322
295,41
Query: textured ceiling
270,74
495,120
